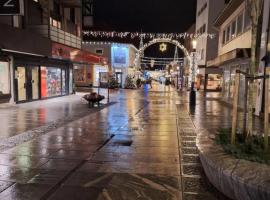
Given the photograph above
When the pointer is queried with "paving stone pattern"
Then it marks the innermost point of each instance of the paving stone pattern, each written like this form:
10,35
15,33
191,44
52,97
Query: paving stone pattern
142,147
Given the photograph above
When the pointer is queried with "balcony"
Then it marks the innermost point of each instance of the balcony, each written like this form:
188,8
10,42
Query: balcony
57,35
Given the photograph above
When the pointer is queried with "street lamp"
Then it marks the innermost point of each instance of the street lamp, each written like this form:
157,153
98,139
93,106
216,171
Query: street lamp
192,94
177,77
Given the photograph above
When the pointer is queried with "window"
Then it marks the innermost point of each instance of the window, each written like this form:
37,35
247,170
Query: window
202,9
224,37
50,82
228,33
4,78
99,51
247,20
55,23
72,15
233,29
240,24
202,54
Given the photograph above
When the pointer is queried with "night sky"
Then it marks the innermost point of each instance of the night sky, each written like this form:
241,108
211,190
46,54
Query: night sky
147,15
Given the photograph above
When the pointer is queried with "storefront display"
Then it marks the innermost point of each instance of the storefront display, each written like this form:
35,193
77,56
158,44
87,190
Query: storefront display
97,70
70,81
50,82
4,78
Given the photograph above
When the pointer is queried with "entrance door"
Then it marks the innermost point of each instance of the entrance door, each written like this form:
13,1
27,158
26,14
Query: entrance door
28,83
119,78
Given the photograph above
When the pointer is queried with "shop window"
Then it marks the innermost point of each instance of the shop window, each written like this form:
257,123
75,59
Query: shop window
63,82
4,78
50,82
70,81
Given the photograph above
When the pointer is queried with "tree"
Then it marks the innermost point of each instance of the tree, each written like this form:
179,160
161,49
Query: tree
254,8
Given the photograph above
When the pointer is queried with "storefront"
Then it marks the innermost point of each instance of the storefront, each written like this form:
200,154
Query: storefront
229,79
5,83
96,74
86,65
41,78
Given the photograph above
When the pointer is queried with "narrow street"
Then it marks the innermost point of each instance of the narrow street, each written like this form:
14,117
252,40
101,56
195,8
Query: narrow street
140,147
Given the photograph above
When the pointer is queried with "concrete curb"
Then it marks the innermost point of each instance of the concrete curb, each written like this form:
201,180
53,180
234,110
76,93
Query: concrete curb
236,178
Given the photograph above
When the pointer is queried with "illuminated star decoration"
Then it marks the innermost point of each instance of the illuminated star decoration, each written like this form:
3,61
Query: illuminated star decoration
163,47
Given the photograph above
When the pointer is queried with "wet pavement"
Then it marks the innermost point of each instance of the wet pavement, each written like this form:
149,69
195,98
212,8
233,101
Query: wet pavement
140,147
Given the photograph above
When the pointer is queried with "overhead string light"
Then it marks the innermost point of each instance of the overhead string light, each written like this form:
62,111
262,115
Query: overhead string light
132,35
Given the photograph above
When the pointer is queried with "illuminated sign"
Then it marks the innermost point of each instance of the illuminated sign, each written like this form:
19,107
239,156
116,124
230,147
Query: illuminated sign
120,55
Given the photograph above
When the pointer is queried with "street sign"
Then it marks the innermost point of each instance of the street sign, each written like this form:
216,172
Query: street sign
11,7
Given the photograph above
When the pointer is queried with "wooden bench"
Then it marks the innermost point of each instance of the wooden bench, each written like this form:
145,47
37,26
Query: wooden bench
93,98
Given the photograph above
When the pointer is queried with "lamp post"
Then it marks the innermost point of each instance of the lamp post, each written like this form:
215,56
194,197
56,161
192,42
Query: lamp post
192,94
177,77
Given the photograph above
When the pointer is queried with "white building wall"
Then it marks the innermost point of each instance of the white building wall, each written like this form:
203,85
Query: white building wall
206,47
241,41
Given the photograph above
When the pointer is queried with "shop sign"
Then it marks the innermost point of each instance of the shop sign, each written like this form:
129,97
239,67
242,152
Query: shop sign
11,7
75,55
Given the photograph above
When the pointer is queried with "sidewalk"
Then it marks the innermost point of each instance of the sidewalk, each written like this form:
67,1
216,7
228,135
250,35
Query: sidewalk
19,118
131,150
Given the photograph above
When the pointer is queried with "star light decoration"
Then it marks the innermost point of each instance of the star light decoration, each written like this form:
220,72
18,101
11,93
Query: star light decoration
163,47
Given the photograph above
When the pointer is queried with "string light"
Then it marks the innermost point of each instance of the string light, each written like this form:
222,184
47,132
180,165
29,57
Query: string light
132,35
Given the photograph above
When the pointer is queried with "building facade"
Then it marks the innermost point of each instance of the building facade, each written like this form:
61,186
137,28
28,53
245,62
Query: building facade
234,46
121,59
208,78
38,49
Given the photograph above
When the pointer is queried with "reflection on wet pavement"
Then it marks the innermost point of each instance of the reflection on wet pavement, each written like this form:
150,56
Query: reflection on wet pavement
129,150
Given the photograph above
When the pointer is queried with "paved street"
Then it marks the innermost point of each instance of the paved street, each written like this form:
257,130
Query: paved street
140,147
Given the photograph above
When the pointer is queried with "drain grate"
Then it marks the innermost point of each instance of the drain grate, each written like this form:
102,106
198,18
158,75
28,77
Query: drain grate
123,143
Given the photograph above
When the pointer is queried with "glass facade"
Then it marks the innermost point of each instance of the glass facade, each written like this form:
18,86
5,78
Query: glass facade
50,82
4,78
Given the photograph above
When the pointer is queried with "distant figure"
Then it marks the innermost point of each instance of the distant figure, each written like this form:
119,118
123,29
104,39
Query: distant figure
139,83
150,81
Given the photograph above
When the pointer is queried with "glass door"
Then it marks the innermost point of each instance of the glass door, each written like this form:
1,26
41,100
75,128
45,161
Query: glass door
21,78
34,83
28,83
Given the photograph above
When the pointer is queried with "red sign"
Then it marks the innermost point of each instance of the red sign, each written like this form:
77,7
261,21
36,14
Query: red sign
64,52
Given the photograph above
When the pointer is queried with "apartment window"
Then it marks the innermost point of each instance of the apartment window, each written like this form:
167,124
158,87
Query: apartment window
56,8
202,54
228,33
55,23
202,9
233,29
240,24
224,37
247,20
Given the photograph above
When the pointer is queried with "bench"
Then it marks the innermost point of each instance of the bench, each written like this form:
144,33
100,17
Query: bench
93,98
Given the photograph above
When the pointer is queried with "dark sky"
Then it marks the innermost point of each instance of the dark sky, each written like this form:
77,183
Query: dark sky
148,15
171,16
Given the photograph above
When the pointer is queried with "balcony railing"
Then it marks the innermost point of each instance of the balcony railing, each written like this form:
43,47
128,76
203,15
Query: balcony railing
57,35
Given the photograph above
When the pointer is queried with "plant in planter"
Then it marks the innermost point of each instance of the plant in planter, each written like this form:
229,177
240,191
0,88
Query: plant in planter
251,148
113,82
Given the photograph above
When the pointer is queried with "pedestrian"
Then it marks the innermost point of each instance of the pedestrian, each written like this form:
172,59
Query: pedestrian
150,81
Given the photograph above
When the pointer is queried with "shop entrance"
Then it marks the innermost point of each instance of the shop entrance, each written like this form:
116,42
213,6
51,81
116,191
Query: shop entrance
119,78
27,83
